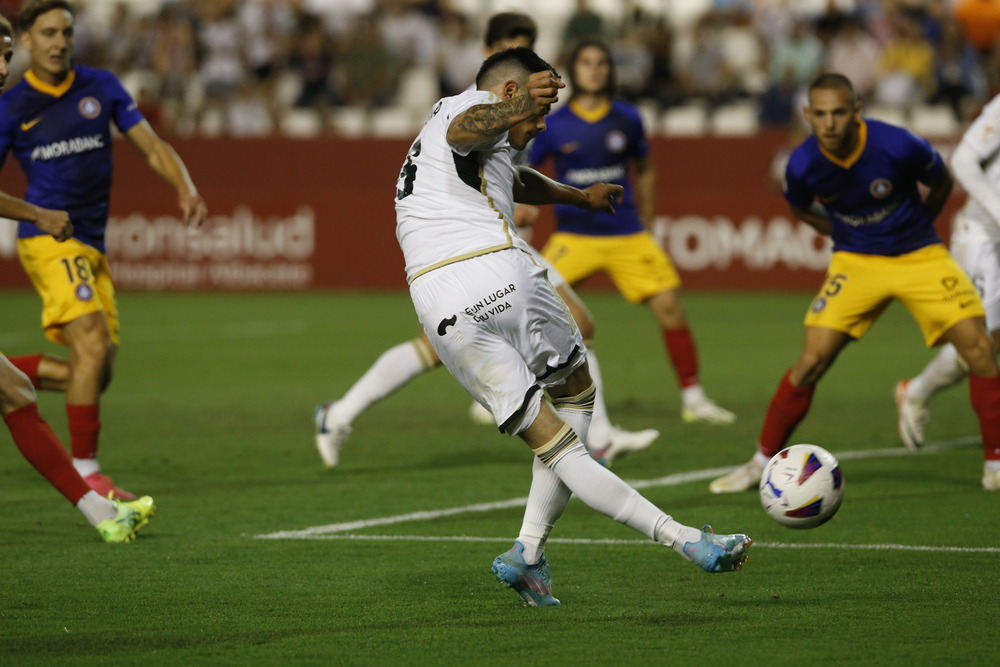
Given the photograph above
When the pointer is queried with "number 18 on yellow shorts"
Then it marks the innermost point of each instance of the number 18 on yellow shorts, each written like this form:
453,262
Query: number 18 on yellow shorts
73,280
927,281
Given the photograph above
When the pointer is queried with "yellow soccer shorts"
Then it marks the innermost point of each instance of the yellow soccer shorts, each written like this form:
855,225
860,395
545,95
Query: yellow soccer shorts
927,281
636,264
73,280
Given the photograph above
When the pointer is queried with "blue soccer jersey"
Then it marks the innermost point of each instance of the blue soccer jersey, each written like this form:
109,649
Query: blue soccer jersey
871,196
591,148
61,136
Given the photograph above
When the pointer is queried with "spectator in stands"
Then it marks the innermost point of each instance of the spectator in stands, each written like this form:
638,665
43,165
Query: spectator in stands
795,62
369,68
460,54
633,63
852,52
956,71
584,23
312,59
411,34
980,20
906,68
223,66
706,75
664,85
172,52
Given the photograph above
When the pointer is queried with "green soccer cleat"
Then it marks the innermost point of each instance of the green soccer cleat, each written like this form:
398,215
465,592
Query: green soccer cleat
132,515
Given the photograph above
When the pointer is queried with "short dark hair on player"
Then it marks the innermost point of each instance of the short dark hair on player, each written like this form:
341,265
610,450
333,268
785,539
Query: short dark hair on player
511,64
5,27
32,9
510,25
832,81
611,86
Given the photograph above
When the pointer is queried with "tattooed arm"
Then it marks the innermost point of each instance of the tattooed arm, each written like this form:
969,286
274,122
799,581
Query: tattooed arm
483,123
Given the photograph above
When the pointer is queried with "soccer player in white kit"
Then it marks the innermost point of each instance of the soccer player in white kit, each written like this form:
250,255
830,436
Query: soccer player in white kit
975,244
496,322
401,363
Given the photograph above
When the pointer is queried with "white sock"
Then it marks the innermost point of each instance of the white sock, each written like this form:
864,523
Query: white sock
546,501
599,435
578,420
86,467
397,366
693,395
991,466
605,492
944,370
96,508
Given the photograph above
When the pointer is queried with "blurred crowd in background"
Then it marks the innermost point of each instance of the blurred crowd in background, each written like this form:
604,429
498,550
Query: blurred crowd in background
374,67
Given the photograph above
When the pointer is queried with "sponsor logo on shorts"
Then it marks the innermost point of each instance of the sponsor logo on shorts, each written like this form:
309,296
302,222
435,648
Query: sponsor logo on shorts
90,107
84,292
491,304
880,188
950,283
616,141
966,297
819,304
445,323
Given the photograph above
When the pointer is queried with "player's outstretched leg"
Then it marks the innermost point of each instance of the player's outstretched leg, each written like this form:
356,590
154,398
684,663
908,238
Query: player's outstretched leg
392,370
912,396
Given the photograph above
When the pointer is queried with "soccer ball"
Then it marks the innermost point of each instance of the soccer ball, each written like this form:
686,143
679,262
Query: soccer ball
802,486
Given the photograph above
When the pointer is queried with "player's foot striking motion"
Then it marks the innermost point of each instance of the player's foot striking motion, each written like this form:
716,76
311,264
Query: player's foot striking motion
599,137
866,176
57,122
486,305
975,241
404,362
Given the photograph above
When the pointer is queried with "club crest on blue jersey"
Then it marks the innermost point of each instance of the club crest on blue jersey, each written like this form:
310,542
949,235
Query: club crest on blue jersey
90,107
616,141
84,292
880,188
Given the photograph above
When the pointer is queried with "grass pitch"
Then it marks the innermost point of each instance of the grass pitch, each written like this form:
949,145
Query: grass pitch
210,413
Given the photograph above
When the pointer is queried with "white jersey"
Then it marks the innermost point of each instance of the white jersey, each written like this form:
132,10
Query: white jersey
983,137
454,204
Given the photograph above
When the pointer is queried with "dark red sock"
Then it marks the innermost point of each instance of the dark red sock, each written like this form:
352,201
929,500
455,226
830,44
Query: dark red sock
43,450
684,357
28,364
788,407
84,428
985,394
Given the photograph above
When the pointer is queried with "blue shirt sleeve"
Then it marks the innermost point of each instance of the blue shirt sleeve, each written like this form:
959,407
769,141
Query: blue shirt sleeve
640,141
927,164
124,111
797,192
8,128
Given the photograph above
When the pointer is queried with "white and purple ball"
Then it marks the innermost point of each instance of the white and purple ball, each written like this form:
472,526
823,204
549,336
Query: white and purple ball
802,486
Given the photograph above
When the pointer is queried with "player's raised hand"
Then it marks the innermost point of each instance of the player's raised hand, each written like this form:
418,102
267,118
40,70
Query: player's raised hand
55,223
602,197
543,87
193,209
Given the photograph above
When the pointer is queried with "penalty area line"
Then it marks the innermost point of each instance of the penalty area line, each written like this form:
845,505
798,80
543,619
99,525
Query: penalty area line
669,480
570,540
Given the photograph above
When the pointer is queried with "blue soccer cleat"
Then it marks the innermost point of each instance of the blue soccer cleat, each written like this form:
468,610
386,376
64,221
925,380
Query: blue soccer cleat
532,582
718,553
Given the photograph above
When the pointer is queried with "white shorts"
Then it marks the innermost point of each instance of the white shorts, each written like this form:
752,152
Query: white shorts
554,276
979,255
502,331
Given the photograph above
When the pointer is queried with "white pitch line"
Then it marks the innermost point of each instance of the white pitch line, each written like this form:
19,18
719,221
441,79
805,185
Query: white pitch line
571,540
669,480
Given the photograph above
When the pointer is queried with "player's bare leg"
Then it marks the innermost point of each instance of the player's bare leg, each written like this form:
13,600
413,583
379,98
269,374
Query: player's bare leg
976,347
668,310
45,371
391,371
91,361
788,406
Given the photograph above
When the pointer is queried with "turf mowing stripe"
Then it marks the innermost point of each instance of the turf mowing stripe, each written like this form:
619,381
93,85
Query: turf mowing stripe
568,540
669,480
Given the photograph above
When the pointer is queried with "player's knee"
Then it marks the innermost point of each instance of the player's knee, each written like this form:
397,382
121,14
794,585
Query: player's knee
979,355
